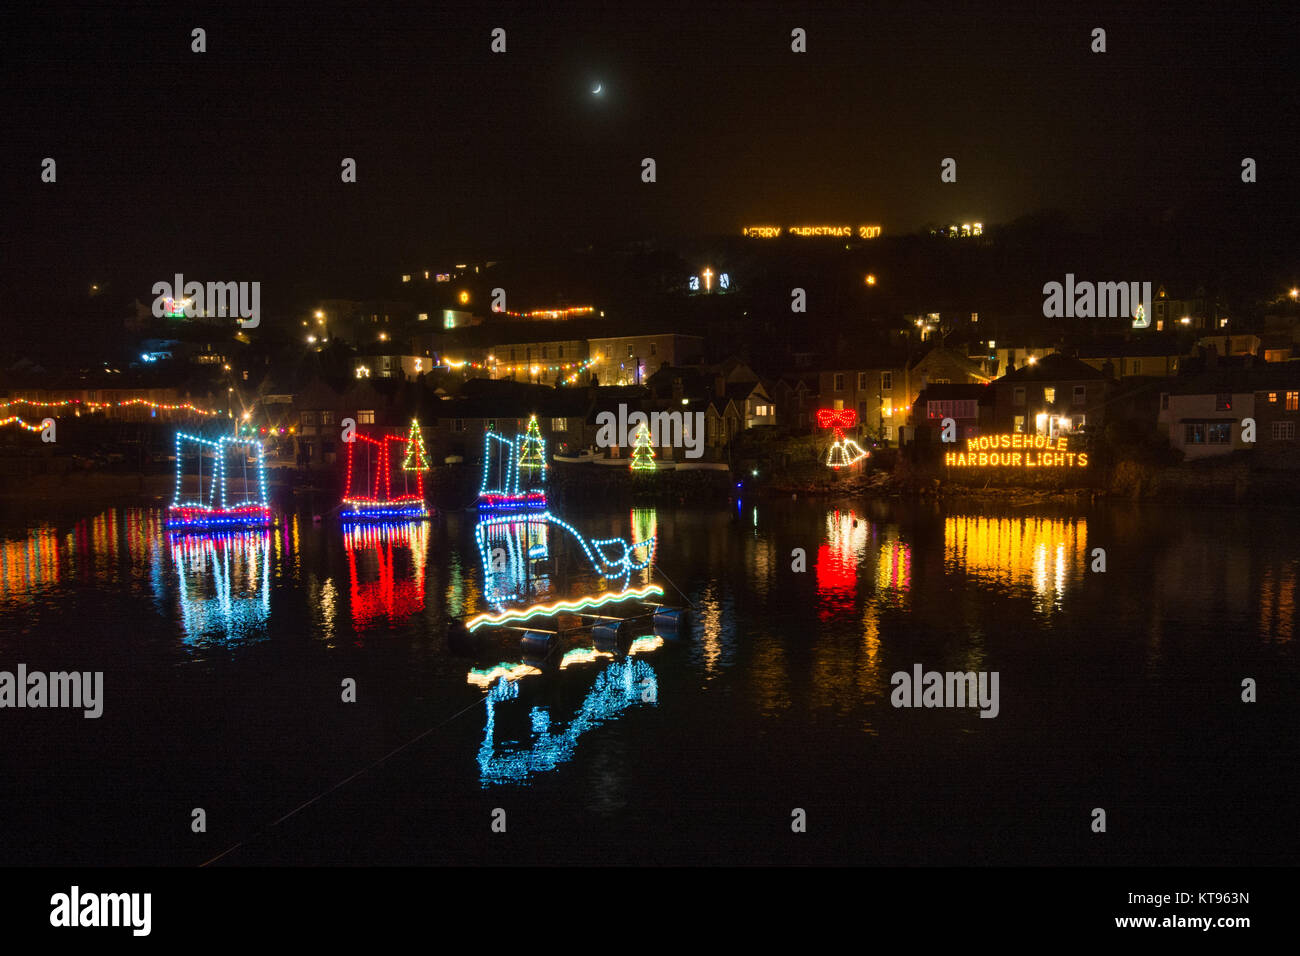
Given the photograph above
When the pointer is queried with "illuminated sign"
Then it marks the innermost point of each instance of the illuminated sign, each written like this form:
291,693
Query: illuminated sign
1016,451
836,232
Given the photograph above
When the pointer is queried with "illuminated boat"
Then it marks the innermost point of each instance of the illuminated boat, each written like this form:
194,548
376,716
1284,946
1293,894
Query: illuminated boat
219,507
369,493
514,472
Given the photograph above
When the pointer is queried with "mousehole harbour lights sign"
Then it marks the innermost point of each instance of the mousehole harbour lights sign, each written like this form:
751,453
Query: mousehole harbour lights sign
1016,451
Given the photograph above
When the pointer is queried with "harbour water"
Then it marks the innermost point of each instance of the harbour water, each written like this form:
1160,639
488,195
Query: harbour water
225,660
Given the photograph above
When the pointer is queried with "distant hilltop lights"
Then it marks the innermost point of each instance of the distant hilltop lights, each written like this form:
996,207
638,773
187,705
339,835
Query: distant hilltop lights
966,230
836,232
553,313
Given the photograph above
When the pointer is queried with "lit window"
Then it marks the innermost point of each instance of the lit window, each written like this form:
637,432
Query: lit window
327,418
1272,398
1049,395
559,425
423,316
1019,426
1292,401
366,416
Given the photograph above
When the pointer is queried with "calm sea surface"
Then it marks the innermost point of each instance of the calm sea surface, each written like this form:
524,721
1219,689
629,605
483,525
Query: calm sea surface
225,657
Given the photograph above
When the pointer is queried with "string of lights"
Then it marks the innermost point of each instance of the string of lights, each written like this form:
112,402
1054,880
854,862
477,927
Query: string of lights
100,406
567,606
16,420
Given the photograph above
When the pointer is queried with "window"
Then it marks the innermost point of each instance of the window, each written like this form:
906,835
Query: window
1080,394
940,381
1136,367
1223,402
458,425
559,425
839,381
366,416
559,351
544,355
1292,401
423,316
1272,398
512,353
629,351
1284,431
862,381
245,375
1049,395
654,348
1221,434
309,418
1194,434
886,381
888,431
1018,396
327,418
1019,426
1164,401
955,408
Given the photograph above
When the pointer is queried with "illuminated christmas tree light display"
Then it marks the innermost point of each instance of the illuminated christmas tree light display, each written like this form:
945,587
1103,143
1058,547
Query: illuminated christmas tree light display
643,455
417,458
844,451
214,510
531,457
368,490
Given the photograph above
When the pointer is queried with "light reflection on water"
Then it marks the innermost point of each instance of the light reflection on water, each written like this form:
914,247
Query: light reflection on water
552,740
1045,555
223,585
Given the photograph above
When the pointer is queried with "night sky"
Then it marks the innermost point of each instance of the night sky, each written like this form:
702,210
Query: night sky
227,164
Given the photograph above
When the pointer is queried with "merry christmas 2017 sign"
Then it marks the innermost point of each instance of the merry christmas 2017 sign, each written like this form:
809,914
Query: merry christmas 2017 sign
1016,451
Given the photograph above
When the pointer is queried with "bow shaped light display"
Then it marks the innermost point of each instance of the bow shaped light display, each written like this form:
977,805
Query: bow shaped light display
844,451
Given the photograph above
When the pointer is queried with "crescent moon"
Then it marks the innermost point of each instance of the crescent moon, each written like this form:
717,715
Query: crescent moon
599,87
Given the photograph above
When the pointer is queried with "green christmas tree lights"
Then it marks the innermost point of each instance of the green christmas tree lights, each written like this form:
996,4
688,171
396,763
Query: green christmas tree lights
643,455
